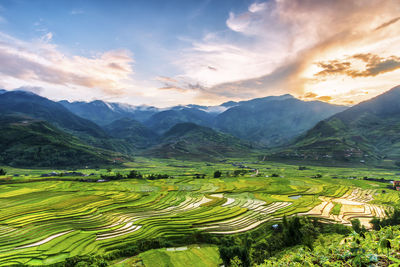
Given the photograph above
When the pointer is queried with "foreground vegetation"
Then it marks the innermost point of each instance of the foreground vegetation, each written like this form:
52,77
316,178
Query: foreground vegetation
374,248
101,216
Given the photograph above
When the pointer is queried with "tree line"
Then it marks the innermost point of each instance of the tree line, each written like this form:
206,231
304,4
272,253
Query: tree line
133,174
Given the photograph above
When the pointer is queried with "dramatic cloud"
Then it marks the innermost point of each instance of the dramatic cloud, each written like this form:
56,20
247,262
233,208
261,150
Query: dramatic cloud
109,75
333,67
325,98
339,51
386,24
281,46
40,61
310,95
374,65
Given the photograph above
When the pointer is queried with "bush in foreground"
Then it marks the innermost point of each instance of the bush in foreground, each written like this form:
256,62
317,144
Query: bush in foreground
375,248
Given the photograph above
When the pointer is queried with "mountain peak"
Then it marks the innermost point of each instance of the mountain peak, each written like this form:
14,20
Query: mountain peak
22,92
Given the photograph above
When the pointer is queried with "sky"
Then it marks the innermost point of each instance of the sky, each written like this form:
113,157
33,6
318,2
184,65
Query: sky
164,53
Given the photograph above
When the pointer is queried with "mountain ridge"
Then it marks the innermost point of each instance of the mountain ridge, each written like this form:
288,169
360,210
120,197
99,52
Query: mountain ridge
365,133
189,140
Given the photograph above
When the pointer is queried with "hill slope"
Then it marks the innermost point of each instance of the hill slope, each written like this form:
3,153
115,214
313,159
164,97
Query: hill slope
33,143
163,121
37,107
369,131
273,121
132,131
41,108
191,141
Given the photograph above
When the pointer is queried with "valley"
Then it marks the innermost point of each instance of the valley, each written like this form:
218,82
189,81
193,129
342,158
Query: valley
47,220
108,184
245,133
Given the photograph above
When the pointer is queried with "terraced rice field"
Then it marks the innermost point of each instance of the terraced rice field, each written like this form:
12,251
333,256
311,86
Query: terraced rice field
46,222
352,205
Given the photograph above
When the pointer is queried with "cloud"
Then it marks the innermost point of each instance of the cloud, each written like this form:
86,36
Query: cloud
310,95
257,7
47,37
325,98
386,24
273,46
179,89
333,67
165,79
41,61
374,65
279,81
33,89
335,48
179,84
77,11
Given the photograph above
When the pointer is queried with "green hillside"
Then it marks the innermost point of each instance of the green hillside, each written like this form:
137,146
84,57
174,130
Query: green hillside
188,140
163,121
274,120
375,248
34,143
35,106
132,131
366,133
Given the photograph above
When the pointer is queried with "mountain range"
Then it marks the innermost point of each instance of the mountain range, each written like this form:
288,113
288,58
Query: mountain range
269,121
191,141
284,126
366,133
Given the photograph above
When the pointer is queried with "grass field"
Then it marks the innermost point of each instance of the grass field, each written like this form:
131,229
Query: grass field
195,255
46,220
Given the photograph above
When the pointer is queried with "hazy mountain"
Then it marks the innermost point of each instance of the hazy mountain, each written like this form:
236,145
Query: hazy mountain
33,143
132,131
38,107
103,113
272,121
269,121
366,132
214,110
162,121
191,141
97,111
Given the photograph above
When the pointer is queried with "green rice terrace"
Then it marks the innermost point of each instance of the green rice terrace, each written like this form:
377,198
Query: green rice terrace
46,217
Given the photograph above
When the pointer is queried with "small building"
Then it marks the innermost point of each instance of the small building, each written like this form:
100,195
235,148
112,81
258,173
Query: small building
396,185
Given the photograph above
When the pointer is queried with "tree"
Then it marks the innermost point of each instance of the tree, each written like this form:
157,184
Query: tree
217,174
134,174
236,262
356,224
2,172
